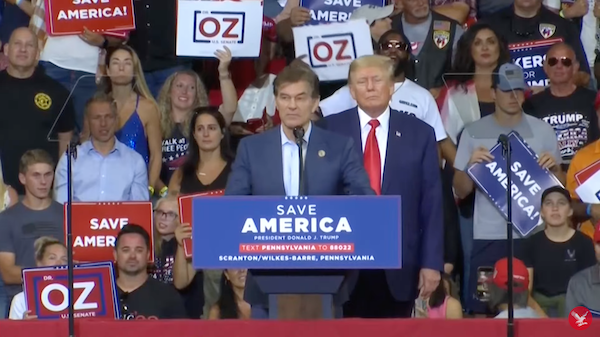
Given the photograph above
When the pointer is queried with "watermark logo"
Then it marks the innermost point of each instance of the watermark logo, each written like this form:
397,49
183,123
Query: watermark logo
580,318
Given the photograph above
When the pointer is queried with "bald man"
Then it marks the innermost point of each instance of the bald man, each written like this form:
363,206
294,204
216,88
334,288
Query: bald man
568,108
33,107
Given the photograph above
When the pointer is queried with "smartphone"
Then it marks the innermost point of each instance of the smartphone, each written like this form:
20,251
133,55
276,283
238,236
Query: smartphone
484,277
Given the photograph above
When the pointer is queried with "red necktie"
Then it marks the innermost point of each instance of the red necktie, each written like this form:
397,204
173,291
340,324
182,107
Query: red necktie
373,159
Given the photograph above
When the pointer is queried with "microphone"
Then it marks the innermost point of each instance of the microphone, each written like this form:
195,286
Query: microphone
503,140
75,141
299,134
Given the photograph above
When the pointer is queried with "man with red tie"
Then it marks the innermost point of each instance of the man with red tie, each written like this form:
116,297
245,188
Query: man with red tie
400,155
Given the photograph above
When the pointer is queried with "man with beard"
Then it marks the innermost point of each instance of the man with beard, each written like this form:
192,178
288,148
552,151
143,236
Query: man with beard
408,97
141,296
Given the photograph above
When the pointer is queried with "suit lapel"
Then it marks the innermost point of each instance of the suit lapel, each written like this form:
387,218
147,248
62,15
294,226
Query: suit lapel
356,132
391,152
311,163
276,167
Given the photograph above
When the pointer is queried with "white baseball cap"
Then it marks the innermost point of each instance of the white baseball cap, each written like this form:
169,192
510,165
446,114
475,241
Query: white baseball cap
371,13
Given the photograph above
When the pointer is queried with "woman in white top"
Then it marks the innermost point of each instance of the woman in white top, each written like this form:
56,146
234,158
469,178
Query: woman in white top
48,252
8,195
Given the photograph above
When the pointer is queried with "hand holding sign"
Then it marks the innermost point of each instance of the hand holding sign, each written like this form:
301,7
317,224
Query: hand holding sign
183,232
224,57
547,161
480,155
91,38
299,16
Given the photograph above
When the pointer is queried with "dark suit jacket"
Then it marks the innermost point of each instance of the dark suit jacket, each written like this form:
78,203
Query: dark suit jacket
258,170
412,170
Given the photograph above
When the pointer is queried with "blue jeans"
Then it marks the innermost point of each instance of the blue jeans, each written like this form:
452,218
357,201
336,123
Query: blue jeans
81,85
466,238
156,79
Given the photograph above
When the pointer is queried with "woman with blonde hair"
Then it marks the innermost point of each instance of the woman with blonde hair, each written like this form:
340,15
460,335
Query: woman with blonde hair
139,126
49,252
180,95
169,250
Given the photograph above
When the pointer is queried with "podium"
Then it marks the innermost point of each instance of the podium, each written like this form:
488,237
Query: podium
300,251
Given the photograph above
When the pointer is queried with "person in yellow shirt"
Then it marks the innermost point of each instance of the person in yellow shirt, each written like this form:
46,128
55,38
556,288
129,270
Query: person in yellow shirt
586,214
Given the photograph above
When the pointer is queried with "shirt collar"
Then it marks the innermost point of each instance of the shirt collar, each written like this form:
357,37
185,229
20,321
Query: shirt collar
285,140
88,147
364,119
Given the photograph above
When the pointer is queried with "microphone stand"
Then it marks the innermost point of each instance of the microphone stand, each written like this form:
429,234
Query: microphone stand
506,151
71,153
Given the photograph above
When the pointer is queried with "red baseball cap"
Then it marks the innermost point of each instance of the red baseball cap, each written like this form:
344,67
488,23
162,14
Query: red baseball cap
520,275
597,233
269,30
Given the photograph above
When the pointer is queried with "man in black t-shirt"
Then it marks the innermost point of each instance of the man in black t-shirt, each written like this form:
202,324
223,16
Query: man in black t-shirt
141,296
33,111
567,108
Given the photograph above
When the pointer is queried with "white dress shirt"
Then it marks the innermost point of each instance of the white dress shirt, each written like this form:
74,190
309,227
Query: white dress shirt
289,156
381,133
408,97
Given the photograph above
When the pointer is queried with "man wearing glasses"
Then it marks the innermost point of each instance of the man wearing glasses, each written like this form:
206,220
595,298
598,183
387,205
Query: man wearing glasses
408,97
528,21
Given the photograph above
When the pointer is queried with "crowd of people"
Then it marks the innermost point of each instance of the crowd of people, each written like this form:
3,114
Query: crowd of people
442,85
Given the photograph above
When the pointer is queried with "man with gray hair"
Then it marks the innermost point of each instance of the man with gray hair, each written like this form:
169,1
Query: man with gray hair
104,169
401,158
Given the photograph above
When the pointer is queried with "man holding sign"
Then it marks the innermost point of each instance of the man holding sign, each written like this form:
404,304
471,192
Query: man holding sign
477,139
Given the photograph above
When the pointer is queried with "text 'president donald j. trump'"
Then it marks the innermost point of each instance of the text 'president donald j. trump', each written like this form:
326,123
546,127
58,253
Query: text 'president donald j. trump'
269,164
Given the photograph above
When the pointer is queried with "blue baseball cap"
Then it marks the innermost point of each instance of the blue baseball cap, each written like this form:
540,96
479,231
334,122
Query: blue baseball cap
509,77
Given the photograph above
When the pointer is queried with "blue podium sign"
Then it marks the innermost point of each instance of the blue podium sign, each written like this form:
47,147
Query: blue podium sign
315,232
529,181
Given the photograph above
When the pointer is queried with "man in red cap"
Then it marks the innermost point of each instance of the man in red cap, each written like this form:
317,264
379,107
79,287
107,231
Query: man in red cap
499,290
584,287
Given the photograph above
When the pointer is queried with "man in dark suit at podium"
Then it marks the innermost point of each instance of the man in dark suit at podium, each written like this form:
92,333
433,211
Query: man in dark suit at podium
401,158
269,164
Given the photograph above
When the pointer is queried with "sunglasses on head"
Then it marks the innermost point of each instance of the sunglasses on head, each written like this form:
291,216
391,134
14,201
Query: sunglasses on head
565,61
394,45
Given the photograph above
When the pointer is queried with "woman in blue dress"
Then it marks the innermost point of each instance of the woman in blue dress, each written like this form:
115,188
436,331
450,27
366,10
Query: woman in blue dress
139,124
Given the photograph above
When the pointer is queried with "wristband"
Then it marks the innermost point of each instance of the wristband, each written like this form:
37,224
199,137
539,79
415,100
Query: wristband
151,190
588,210
163,191
105,43
562,13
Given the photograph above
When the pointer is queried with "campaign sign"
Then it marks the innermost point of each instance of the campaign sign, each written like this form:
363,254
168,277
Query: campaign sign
47,292
320,232
330,54
185,214
68,17
529,181
203,27
96,225
335,10
530,56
